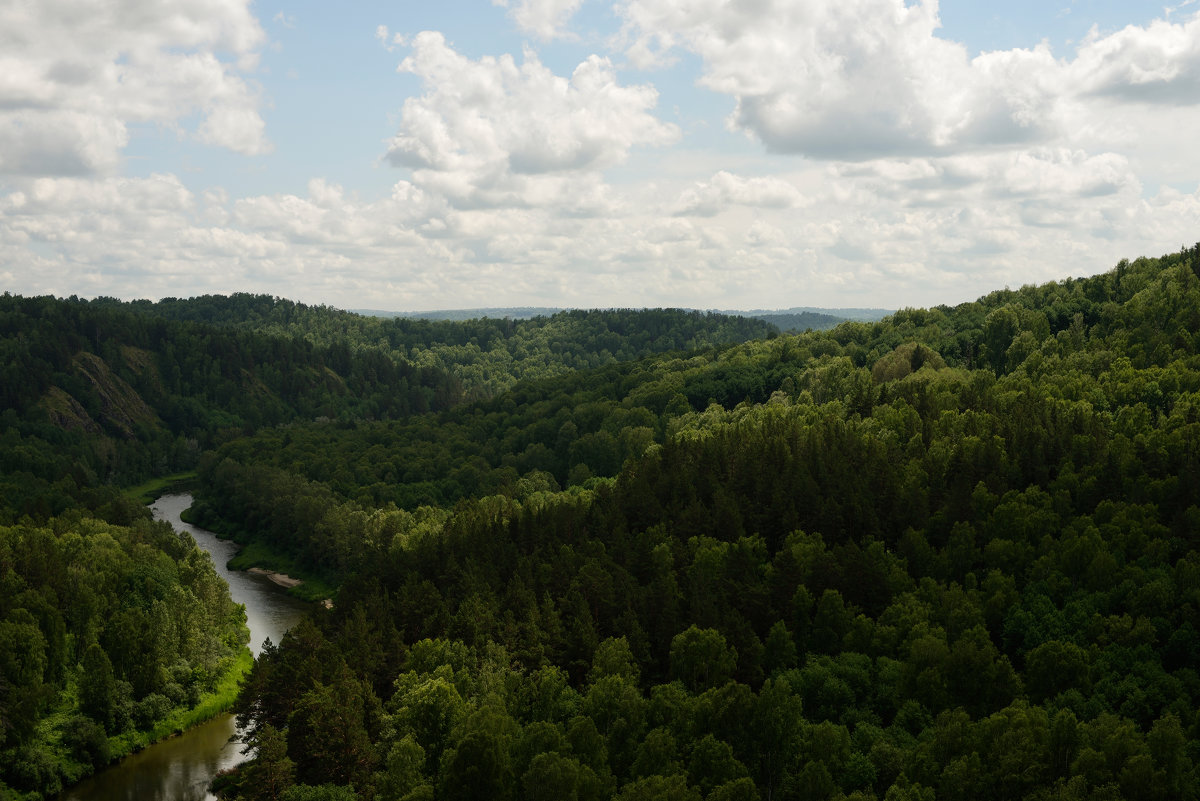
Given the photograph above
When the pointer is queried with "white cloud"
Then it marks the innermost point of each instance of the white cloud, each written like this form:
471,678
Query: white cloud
492,133
876,233
845,78
74,75
546,19
724,189
864,79
933,177
1157,64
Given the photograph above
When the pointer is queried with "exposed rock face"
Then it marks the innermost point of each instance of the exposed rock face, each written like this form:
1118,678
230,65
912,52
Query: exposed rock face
66,412
140,361
120,405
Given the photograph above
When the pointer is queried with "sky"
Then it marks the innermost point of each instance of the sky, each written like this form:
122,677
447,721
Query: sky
414,155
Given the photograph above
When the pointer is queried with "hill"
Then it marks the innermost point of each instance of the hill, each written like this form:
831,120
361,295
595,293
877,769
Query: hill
501,313
949,554
97,395
859,315
112,632
487,355
794,319
800,321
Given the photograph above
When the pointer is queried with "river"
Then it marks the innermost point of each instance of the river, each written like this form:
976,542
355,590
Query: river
181,768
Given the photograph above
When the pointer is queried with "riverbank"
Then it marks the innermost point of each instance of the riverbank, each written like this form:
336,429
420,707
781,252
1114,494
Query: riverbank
150,491
279,578
61,755
257,557
217,702
180,768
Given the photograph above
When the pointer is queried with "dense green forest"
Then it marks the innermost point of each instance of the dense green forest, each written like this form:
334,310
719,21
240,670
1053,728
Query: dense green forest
113,630
952,554
949,555
800,321
488,355
110,637
95,397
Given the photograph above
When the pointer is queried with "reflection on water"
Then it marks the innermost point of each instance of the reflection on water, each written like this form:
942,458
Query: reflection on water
181,768
269,611
178,769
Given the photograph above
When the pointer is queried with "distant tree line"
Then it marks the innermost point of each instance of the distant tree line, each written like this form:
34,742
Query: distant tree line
488,355
95,397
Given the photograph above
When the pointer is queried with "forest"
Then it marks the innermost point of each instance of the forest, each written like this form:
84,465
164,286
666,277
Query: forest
115,632
487,355
952,554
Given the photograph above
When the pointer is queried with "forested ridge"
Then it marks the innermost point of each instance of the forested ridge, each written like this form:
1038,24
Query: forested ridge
952,554
114,631
96,396
488,355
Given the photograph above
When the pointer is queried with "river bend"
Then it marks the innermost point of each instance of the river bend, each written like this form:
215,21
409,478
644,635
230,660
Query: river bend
181,768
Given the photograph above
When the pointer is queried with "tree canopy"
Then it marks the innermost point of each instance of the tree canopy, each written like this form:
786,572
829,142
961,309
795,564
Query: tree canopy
950,554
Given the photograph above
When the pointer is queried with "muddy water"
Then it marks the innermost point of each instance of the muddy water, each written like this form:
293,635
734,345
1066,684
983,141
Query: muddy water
180,769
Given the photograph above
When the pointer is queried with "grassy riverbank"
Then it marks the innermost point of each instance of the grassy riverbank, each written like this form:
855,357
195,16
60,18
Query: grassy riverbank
256,554
155,488
181,719
68,754
312,587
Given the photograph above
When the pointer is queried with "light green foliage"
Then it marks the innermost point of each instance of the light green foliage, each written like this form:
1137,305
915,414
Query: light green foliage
105,632
659,788
322,792
613,658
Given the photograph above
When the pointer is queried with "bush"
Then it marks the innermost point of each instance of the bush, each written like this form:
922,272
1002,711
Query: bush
86,741
152,708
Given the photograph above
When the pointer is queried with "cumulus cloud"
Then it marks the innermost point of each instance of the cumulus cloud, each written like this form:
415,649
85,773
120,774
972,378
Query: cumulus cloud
863,79
546,19
495,133
73,76
931,176
881,233
846,78
1057,174
724,189
1156,64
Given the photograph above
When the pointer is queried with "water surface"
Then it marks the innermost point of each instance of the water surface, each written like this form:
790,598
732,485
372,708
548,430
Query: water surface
181,768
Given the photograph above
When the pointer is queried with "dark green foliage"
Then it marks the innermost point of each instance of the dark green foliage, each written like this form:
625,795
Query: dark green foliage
323,792
488,355
98,693
96,394
951,554
801,321
85,738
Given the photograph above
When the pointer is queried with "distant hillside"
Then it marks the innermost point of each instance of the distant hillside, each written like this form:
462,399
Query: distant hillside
794,320
797,318
105,396
494,313
856,314
487,352
803,321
